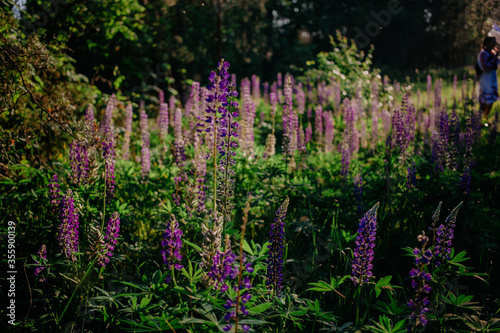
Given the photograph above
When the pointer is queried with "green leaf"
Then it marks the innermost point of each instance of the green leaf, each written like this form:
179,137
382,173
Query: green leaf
321,286
194,246
145,301
247,247
260,308
382,283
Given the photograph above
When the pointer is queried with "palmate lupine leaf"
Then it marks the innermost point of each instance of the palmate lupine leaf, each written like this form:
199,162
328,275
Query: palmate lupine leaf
479,325
384,325
322,286
383,283
461,301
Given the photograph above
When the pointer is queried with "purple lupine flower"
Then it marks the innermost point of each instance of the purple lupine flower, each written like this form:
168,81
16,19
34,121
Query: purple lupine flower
309,112
444,237
145,156
200,164
54,193
194,98
429,90
163,120
318,123
308,133
172,101
273,100
110,240
374,129
79,161
465,181
90,124
68,229
464,88
410,122
362,134
248,119
107,123
358,191
42,254
329,135
108,153
129,115
365,244
444,133
255,87
420,284
301,146
180,153
222,113
454,136
289,131
349,136
338,98
89,116
171,246
266,92
221,126
222,268
220,117
437,101
345,161
411,178
301,101
397,135
236,307
161,97
436,152
279,78
274,276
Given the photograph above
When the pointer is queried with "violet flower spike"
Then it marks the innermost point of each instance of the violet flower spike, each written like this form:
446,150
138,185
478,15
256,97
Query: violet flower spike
79,161
274,276
108,153
444,237
110,240
171,246
420,284
42,253
145,156
362,264
68,229
129,114
54,193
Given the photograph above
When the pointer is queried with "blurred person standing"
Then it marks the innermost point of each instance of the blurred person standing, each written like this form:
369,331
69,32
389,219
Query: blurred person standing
487,62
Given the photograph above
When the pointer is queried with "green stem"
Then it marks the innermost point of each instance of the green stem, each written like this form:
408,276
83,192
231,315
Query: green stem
357,305
175,284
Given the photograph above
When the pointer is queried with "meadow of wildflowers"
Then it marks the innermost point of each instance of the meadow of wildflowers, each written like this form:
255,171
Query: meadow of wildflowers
299,205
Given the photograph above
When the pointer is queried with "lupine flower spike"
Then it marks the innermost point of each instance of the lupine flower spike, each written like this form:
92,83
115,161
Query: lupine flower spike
274,276
420,284
237,308
68,229
110,240
171,246
42,254
365,244
108,153
54,193
444,237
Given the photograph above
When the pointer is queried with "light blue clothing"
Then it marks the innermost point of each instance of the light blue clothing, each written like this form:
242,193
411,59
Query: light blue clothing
488,84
